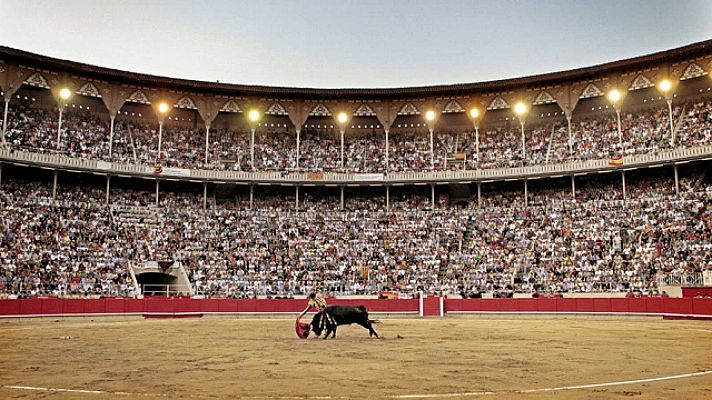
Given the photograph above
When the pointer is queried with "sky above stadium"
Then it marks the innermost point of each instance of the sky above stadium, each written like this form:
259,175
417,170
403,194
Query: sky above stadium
359,43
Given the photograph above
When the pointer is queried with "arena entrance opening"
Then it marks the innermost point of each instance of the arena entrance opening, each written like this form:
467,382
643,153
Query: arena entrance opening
156,283
163,278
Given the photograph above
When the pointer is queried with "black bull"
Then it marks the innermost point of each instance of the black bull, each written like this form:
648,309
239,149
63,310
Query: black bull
332,316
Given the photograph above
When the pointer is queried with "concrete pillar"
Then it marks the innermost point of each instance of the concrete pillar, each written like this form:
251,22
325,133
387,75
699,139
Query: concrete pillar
623,180
342,198
252,147
205,195
526,193
108,190
432,196
296,198
59,128
4,118
479,195
252,195
477,146
158,183
111,135
342,130
571,135
296,164
387,158
207,143
160,140
524,145
432,150
388,198
677,180
54,186
573,187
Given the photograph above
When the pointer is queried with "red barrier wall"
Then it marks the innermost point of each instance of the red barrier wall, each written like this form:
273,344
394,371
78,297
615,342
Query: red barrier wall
692,291
431,306
645,305
161,305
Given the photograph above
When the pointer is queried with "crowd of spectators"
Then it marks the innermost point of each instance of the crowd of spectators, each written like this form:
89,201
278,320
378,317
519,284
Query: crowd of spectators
594,136
75,245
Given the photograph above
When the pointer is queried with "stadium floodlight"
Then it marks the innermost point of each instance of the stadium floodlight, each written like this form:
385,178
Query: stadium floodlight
520,109
65,93
342,117
254,115
475,112
163,107
430,115
614,96
665,85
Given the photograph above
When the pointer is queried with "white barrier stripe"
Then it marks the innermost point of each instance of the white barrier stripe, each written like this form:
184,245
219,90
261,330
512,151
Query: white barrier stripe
43,389
402,396
553,389
618,383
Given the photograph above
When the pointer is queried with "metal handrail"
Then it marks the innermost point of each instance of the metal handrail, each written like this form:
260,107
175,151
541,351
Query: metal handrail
568,168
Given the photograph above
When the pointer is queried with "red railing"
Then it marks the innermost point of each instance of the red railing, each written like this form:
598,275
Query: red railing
431,306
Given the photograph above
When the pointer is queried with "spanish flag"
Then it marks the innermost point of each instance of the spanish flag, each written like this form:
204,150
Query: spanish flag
615,160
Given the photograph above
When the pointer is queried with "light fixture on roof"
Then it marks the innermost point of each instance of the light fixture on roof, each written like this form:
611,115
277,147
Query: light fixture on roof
614,96
430,115
254,115
65,93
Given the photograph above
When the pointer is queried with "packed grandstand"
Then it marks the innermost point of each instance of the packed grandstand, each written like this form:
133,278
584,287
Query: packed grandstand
593,180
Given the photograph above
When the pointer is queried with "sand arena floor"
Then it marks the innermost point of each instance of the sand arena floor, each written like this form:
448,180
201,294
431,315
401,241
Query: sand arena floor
431,359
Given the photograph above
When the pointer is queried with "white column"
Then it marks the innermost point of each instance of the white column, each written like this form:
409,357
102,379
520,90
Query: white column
477,146
111,135
4,118
59,127
526,193
432,151
252,195
160,141
388,198
207,143
620,131
571,136
524,147
672,125
623,180
432,196
341,130
296,164
573,187
677,180
342,197
205,195
252,147
108,189
54,186
296,198
387,158
157,186
479,195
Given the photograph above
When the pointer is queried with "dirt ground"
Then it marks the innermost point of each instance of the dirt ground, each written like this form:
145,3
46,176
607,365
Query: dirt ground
213,358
